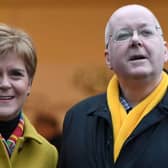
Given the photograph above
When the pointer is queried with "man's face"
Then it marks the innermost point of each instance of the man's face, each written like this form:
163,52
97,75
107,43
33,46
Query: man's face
136,49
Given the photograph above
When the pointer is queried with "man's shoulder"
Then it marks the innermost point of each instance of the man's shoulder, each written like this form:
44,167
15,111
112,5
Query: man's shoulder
78,114
90,102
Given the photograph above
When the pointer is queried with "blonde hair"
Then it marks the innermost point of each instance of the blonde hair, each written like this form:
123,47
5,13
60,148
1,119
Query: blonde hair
18,41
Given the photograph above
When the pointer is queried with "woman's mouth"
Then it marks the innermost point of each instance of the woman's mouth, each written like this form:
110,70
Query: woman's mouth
6,97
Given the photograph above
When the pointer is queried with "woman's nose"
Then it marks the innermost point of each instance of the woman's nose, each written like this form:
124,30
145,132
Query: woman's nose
5,82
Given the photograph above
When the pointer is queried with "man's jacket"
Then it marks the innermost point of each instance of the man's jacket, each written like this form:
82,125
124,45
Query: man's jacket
88,138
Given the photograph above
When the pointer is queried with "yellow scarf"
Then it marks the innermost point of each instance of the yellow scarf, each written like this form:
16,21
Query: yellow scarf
123,123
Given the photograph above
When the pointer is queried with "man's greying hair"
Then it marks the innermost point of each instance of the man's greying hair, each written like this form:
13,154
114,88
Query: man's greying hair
15,40
108,32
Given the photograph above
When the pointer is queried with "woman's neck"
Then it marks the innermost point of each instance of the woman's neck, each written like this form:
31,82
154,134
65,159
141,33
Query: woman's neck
7,127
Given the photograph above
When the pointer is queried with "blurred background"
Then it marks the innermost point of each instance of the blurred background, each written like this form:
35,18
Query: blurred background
69,37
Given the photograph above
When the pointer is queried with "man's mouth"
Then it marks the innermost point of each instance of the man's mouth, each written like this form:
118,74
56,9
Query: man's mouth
137,57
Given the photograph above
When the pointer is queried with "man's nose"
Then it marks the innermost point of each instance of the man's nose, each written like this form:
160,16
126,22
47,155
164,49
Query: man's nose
136,39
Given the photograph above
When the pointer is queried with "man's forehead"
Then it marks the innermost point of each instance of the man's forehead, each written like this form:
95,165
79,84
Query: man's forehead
132,8
132,13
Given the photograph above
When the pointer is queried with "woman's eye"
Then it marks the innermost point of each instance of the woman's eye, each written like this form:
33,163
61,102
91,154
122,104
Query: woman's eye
16,74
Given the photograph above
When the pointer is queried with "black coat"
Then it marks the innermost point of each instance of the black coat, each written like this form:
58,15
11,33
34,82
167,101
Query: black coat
88,138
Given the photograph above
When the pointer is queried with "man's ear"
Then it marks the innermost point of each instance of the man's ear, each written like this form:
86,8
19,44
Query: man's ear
165,52
108,59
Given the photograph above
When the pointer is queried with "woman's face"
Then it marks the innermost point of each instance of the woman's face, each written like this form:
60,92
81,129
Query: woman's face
14,85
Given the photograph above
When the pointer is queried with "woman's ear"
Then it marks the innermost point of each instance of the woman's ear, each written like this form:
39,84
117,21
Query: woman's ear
29,87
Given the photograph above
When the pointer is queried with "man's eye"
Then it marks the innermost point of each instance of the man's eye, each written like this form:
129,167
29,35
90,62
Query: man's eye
147,33
122,36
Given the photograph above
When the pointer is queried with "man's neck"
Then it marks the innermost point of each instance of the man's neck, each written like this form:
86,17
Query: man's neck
136,91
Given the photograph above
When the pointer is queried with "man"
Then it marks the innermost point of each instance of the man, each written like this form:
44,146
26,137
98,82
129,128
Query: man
128,126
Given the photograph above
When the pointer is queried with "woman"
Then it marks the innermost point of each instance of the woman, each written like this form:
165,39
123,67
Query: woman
20,145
